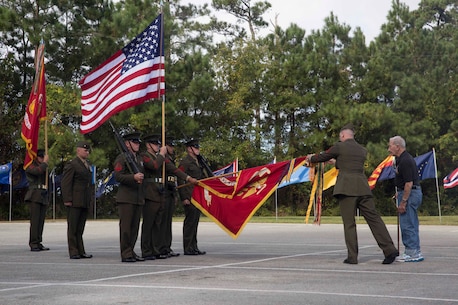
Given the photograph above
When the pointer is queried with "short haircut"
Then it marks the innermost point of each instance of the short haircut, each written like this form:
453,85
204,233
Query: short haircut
398,140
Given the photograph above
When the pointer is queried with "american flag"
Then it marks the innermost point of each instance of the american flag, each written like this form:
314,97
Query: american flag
130,77
451,180
230,168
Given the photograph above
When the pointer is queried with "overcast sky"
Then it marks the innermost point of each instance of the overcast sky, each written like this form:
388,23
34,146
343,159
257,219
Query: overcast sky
310,14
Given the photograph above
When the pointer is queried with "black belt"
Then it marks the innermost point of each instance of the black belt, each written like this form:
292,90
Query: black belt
171,179
416,187
157,180
40,187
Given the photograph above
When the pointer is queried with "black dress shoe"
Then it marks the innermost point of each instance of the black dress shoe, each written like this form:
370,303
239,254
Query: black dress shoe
139,259
129,260
347,261
173,254
35,249
149,257
161,256
75,256
390,258
191,253
43,248
86,255
201,252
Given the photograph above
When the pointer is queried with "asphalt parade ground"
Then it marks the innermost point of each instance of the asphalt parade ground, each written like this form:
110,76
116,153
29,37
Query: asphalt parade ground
268,264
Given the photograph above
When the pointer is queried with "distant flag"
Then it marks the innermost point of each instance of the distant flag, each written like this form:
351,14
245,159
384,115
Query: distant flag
130,77
301,175
19,179
5,173
426,165
383,171
231,201
94,173
330,178
451,180
230,168
36,108
110,180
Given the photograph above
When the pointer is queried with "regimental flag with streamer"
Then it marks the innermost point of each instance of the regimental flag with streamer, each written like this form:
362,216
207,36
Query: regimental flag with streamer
231,201
383,171
36,108
321,182
133,75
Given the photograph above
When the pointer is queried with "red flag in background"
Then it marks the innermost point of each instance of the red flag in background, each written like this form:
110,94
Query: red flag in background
383,171
36,108
130,77
231,201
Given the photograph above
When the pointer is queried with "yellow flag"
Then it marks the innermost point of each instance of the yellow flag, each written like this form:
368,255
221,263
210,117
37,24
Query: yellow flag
330,178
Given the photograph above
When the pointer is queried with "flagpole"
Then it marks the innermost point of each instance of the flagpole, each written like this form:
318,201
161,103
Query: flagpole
437,187
276,197
53,172
162,57
213,177
11,189
94,176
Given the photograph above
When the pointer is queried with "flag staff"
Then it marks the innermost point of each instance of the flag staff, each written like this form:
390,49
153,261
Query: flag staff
437,186
10,178
161,62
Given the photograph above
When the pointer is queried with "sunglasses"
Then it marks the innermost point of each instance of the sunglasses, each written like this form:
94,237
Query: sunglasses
136,141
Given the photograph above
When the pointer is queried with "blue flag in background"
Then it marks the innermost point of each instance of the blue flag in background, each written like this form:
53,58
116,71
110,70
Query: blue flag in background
110,180
5,170
19,179
426,165
299,176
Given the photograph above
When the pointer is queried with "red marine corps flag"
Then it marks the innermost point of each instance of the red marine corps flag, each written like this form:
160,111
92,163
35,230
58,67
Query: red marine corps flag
231,201
36,108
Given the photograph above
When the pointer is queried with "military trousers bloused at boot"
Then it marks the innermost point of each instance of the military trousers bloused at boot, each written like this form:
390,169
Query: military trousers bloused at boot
366,206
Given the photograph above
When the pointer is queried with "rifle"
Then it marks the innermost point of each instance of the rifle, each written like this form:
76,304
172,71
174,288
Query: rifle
204,165
131,164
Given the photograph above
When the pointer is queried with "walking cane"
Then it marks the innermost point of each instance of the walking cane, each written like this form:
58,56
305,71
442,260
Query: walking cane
397,216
